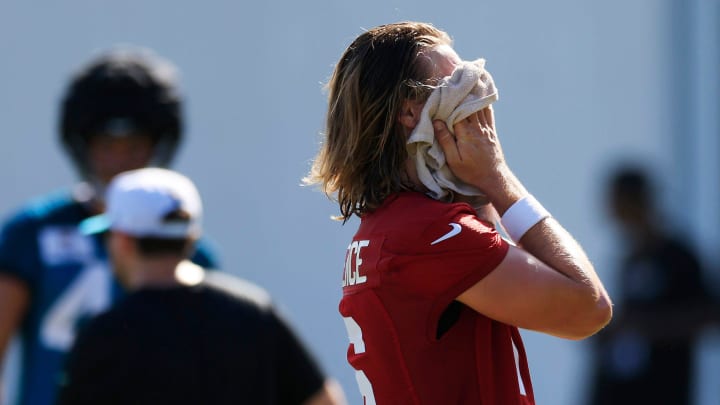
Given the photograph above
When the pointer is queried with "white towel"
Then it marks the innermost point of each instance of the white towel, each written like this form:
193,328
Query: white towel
469,89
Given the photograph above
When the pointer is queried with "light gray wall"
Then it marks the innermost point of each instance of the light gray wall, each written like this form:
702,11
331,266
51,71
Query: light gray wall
583,84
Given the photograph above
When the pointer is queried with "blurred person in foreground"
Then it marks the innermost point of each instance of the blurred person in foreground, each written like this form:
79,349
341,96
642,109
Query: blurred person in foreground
646,355
182,335
432,295
121,110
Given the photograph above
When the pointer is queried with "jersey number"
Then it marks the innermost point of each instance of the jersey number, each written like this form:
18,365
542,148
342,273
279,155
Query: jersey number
355,335
88,294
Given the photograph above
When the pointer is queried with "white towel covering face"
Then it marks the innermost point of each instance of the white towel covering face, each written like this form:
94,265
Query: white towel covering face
469,89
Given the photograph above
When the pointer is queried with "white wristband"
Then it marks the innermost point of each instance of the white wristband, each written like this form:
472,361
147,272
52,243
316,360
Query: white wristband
522,215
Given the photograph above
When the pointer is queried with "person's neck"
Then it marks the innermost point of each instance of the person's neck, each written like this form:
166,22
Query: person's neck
644,234
165,272
88,194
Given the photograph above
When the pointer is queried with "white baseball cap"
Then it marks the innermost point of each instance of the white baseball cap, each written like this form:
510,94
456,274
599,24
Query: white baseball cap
138,203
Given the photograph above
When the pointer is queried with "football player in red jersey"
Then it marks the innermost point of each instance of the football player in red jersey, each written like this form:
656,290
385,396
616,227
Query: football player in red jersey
433,296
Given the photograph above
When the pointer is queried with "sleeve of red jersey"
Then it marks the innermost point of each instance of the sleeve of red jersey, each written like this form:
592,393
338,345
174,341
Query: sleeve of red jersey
449,256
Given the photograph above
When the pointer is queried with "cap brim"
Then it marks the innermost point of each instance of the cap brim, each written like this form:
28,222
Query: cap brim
95,225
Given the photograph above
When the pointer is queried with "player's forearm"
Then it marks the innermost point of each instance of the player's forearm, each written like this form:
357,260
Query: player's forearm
547,240
553,245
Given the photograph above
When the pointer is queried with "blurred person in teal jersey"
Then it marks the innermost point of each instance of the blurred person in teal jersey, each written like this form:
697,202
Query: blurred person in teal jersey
183,334
121,110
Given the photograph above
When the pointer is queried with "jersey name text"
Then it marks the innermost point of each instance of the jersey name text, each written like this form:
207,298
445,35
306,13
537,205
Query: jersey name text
351,275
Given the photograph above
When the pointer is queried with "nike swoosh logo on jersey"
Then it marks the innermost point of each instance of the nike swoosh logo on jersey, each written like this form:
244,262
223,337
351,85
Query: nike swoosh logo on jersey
456,229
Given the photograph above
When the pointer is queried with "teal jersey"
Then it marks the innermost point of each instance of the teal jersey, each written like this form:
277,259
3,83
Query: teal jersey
69,280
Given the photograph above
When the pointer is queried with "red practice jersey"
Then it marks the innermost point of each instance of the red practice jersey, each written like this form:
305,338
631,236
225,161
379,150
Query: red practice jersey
410,341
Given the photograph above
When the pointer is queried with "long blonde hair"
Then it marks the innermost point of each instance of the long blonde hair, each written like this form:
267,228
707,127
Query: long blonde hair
362,158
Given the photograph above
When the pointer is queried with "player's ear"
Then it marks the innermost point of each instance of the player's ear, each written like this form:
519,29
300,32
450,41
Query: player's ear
409,114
